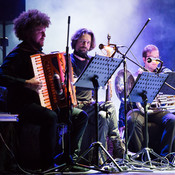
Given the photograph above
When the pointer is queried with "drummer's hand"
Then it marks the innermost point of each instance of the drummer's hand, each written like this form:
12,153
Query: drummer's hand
33,84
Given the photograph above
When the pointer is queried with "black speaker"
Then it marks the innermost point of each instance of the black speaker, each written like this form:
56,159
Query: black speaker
10,9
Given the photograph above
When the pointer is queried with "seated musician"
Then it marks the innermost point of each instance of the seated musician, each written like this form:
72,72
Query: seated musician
164,119
16,73
83,41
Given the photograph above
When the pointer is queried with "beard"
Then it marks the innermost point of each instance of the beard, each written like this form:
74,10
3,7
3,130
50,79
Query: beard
36,44
81,54
39,44
82,50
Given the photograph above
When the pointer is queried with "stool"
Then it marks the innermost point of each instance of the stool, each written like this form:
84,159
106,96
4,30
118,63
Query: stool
8,141
6,117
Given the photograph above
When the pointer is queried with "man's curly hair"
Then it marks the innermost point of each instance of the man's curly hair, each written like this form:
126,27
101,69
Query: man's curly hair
29,20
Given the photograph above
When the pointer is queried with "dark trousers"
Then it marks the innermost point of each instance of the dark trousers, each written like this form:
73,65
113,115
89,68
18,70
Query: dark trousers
47,120
166,121
77,122
107,125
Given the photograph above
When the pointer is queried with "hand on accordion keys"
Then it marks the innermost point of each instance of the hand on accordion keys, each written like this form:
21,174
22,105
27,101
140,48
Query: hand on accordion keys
57,83
33,84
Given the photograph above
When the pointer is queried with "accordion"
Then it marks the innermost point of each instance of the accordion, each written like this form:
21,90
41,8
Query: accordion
50,69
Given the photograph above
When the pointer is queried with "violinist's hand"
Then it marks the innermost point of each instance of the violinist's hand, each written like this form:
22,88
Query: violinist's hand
33,84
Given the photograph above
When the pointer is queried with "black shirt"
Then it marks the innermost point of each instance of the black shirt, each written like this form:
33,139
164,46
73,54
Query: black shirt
82,94
17,68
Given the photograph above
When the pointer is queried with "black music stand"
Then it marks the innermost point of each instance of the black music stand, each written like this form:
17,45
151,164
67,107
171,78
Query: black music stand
147,86
169,86
97,73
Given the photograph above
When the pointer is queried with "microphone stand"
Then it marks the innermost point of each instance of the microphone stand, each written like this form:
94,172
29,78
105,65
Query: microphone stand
67,153
124,80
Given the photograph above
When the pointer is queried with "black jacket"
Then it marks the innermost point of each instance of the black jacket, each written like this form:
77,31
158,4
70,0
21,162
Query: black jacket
17,68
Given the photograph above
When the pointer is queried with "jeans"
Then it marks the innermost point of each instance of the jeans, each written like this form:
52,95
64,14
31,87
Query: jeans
107,121
165,120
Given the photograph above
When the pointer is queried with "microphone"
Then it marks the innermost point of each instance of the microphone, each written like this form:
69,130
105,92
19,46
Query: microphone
101,46
149,60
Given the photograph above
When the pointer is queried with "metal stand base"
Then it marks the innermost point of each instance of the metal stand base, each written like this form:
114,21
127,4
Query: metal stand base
145,157
99,145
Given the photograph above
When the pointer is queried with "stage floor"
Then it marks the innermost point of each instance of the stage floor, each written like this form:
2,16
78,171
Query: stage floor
91,172
117,166
124,169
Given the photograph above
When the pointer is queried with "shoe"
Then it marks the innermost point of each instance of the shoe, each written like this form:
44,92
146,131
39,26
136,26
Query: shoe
131,153
118,148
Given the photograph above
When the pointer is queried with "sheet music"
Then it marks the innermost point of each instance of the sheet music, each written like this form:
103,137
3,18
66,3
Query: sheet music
171,81
100,66
150,83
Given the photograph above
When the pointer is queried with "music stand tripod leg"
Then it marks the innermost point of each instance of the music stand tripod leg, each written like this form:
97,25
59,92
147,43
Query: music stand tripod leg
146,151
98,144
